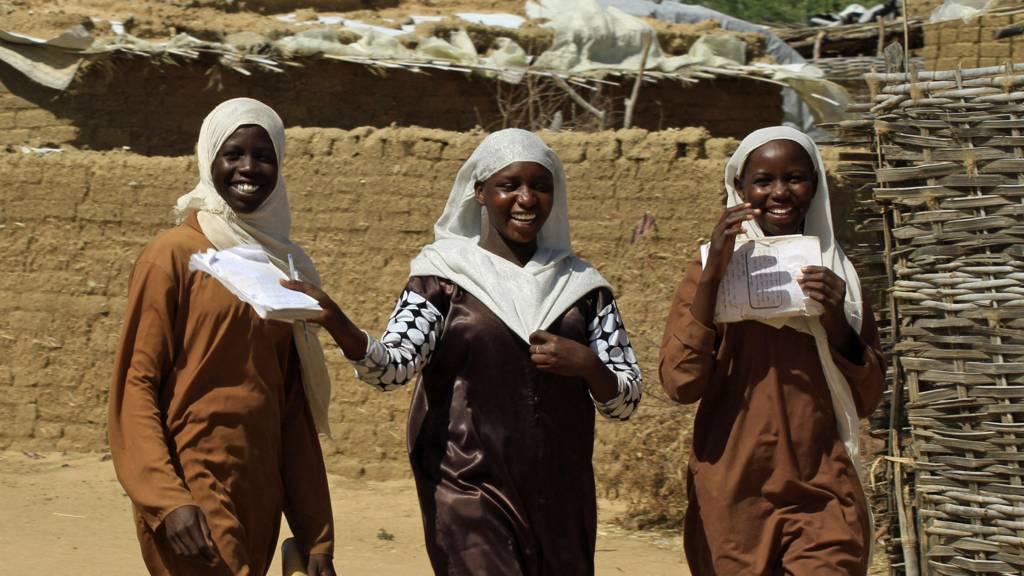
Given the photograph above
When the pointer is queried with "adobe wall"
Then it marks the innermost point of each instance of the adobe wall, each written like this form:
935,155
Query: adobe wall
920,9
955,43
364,202
156,108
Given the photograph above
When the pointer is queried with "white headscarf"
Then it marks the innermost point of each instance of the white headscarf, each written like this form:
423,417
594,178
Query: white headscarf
818,222
269,226
527,298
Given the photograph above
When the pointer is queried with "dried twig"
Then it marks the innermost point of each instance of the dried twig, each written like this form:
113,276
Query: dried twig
631,103
600,114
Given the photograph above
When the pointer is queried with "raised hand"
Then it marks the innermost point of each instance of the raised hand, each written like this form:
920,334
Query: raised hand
189,535
723,239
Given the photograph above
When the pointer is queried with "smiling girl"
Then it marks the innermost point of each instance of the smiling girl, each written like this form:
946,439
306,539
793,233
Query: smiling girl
214,412
773,482
517,341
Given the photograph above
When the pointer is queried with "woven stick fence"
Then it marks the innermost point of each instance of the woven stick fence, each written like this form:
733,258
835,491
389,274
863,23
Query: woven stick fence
864,238
949,173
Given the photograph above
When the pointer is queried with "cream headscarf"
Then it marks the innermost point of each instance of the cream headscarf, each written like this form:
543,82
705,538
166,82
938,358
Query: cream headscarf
526,299
268,226
818,222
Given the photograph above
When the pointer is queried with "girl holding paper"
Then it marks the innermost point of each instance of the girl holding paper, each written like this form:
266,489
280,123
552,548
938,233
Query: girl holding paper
773,478
517,340
214,412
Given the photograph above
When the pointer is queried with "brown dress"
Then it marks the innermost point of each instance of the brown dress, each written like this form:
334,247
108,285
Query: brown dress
771,488
501,451
207,408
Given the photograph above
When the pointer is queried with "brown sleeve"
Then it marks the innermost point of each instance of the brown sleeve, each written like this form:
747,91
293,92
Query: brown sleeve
867,380
307,498
687,355
135,427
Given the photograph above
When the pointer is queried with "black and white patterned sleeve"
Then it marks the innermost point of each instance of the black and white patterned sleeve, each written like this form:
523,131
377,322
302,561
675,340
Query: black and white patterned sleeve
609,341
406,346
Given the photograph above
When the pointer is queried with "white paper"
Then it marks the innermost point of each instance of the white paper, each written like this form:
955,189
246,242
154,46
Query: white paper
248,274
761,280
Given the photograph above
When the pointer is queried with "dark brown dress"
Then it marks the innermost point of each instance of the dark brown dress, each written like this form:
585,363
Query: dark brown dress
501,451
207,408
771,488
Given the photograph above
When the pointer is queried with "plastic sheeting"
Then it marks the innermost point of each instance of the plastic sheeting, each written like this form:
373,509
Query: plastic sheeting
965,10
796,112
52,63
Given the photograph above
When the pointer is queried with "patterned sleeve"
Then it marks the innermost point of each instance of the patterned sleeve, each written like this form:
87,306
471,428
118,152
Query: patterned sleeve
609,341
406,346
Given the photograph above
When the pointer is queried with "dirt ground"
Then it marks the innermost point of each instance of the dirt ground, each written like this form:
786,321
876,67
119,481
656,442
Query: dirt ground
67,513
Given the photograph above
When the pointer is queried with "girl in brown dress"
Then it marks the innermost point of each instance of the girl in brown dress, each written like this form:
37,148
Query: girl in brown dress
773,483
213,411
516,340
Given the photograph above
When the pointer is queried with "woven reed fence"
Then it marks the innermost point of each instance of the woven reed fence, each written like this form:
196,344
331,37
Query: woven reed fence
948,172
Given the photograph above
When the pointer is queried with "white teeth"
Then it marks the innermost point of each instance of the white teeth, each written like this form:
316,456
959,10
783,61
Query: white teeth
524,217
780,211
245,188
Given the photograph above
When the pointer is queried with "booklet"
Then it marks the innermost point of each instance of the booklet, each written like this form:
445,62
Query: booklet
760,282
248,273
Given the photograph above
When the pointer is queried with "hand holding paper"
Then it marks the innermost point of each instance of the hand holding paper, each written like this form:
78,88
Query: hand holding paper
761,280
248,273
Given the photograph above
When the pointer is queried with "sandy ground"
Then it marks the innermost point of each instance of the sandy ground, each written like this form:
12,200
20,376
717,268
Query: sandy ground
67,513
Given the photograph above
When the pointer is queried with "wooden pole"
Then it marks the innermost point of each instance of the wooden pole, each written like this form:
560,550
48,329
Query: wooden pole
881,37
906,36
579,99
627,122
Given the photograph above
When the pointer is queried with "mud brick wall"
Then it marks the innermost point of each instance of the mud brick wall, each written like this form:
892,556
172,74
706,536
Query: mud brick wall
955,43
156,109
920,9
364,202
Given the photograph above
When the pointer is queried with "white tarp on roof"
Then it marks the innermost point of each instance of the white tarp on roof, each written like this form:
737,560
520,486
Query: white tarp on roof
589,37
965,10
52,63
796,113
592,35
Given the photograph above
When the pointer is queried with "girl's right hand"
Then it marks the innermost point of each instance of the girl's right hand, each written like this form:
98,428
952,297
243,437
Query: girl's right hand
723,239
347,335
189,535
331,313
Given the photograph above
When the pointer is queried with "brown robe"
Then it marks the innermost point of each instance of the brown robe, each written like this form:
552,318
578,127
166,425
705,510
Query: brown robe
771,488
207,408
501,451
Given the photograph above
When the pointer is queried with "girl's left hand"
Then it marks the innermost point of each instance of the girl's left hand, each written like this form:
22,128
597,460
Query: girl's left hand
561,356
320,565
825,287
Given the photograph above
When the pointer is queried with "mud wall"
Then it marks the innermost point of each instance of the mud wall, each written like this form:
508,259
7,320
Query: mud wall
157,109
955,43
920,9
364,202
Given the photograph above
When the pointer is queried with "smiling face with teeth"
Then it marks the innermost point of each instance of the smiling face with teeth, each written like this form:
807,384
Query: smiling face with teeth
778,179
245,169
518,199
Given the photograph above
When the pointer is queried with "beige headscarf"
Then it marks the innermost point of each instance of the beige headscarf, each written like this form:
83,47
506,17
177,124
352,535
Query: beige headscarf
818,222
526,299
269,226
